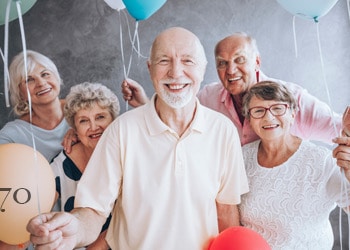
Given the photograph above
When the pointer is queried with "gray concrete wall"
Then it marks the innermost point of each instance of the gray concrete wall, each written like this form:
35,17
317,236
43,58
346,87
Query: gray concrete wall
83,39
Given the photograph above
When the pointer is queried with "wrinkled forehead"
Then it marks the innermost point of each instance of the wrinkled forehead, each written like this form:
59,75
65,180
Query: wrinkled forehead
175,49
179,43
233,46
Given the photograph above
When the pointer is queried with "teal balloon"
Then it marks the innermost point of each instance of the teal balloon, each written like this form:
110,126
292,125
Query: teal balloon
308,9
143,9
25,6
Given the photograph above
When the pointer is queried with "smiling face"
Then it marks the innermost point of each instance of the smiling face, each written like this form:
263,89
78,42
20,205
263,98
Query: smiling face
237,63
177,65
43,86
90,124
271,127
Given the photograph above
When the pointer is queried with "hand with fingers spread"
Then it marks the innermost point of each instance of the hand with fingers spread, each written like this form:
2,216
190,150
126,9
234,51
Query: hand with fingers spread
133,93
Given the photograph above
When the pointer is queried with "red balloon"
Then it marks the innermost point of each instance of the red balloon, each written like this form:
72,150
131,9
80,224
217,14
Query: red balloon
239,238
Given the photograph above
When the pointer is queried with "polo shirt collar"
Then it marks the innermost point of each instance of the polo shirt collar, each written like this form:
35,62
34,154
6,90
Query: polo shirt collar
224,95
156,126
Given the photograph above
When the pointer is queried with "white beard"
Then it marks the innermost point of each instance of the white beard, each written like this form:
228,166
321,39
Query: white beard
178,100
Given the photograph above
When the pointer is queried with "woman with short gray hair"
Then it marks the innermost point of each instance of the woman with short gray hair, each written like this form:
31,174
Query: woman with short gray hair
89,109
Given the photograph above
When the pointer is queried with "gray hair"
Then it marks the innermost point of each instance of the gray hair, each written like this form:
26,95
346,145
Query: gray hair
268,90
85,95
17,74
250,40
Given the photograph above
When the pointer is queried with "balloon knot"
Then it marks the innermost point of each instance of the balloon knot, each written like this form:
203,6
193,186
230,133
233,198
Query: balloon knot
316,19
21,245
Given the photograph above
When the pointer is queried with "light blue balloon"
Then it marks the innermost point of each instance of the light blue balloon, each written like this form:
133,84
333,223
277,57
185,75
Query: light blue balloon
142,9
25,6
308,9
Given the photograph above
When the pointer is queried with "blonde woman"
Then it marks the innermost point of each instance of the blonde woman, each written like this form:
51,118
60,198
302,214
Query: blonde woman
46,121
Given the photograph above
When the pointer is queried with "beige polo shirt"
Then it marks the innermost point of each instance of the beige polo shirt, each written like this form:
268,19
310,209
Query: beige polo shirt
166,186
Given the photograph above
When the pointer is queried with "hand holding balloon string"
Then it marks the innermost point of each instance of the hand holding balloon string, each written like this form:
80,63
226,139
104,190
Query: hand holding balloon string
140,10
23,202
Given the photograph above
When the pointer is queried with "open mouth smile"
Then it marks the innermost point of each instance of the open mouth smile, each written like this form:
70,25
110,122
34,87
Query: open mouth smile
95,136
232,79
270,126
42,92
176,86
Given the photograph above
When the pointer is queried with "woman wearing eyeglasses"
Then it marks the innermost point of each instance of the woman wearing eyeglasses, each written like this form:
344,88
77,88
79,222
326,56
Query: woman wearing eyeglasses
294,184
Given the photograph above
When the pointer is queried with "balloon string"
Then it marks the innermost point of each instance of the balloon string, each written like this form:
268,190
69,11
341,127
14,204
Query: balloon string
295,39
130,59
19,12
128,25
136,36
25,58
348,5
324,79
137,49
133,40
132,48
6,42
7,77
121,44
344,191
126,73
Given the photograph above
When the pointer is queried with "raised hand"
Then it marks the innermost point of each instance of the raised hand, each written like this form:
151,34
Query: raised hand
133,93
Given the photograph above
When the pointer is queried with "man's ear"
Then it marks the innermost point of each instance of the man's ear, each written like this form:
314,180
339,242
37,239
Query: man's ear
148,64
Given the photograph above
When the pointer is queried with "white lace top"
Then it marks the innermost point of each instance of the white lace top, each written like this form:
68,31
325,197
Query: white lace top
289,205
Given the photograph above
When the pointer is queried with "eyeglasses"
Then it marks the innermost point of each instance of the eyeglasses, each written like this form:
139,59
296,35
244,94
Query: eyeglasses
278,109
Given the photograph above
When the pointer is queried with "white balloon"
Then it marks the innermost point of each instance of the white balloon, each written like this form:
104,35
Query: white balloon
115,4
